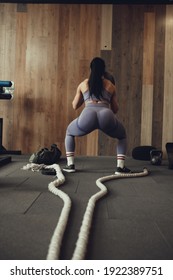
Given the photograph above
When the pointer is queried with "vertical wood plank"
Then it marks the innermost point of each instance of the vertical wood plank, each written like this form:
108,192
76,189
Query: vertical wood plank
148,74
147,114
158,90
7,57
90,16
167,133
23,103
106,27
126,66
90,28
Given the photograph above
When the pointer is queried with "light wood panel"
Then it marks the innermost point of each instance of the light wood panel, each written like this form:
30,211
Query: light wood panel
106,27
147,114
148,74
50,54
90,22
168,78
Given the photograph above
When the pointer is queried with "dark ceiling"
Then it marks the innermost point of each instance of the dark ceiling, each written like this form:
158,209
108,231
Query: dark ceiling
91,1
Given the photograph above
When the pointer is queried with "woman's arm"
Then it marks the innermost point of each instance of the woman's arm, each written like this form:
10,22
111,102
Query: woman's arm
112,89
78,99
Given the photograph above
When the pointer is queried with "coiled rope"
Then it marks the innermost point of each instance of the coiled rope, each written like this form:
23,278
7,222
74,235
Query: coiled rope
82,241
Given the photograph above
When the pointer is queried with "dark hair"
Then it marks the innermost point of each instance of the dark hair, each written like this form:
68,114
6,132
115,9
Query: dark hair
95,82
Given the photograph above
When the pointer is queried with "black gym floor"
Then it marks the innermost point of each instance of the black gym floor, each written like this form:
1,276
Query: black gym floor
134,221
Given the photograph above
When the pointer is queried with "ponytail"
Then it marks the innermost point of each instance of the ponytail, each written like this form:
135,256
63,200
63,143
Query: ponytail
95,82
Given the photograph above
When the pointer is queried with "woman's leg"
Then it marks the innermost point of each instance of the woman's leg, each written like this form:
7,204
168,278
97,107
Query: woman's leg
72,131
81,126
111,126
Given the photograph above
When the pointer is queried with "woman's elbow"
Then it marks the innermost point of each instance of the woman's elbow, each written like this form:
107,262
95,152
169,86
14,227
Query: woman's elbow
74,105
115,109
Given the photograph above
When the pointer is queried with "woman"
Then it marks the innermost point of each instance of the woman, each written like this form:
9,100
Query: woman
99,96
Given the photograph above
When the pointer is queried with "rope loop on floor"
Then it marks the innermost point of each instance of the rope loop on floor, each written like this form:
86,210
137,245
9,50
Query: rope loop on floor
82,241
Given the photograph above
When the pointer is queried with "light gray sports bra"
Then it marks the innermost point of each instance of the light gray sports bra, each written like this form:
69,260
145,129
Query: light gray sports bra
106,96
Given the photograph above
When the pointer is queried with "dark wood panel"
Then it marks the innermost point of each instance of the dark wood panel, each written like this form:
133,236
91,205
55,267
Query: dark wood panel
167,131
147,79
125,63
158,94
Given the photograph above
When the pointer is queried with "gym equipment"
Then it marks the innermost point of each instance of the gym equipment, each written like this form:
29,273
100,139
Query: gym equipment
6,89
142,152
82,241
48,171
6,93
6,83
169,150
46,156
156,157
81,244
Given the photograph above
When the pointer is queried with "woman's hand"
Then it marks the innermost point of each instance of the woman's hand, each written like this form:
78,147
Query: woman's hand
114,103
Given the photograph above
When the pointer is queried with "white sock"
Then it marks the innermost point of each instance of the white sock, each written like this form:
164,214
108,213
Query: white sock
120,160
70,158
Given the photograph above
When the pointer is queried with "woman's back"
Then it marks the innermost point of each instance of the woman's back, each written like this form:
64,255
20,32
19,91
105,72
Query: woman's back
106,95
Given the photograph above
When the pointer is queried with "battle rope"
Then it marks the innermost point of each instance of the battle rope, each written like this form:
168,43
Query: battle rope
82,241
81,244
56,240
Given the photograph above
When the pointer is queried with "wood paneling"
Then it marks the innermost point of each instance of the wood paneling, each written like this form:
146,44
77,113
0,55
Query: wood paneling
7,67
90,30
137,63
147,114
46,50
50,49
158,90
168,81
106,27
106,144
125,62
148,75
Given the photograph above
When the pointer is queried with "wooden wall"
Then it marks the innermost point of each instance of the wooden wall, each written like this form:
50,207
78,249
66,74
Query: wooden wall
46,50
141,61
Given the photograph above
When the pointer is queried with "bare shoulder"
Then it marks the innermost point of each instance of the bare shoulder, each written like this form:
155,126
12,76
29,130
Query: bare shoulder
110,87
83,86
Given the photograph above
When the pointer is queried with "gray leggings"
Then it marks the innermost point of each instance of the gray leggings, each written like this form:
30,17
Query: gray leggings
96,117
